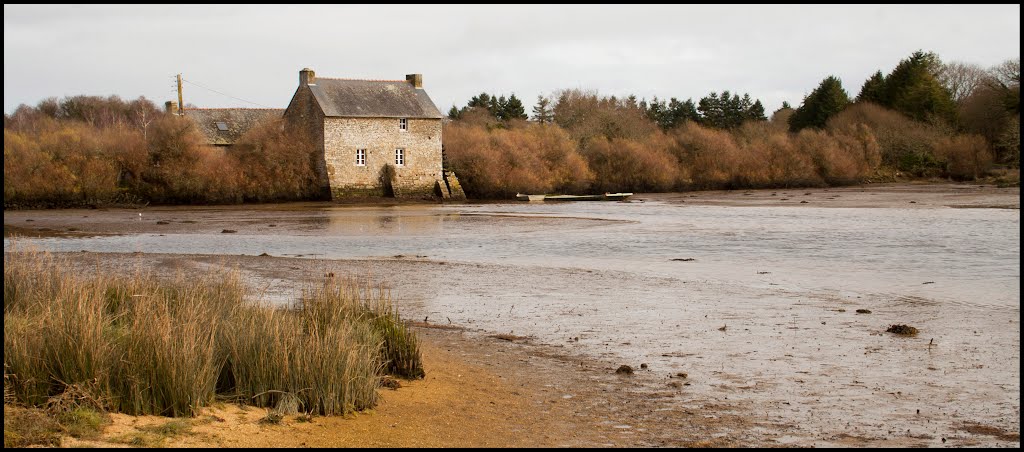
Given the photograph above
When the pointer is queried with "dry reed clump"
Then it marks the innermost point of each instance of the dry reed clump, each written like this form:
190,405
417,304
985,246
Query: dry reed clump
338,299
142,345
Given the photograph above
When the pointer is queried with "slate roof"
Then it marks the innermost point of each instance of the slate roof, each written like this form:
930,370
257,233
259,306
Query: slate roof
372,99
237,121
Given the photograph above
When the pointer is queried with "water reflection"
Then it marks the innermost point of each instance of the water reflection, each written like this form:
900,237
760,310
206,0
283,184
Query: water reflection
386,222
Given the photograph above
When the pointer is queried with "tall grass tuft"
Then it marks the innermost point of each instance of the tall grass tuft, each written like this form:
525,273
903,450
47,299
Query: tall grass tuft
170,345
338,298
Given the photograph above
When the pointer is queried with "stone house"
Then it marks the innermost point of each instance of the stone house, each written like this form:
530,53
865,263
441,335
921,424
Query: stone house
377,137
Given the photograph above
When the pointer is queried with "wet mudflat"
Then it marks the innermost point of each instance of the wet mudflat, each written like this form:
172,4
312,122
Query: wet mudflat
753,295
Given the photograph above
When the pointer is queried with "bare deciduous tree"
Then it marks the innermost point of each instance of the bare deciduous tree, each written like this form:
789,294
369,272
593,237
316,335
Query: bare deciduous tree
1007,72
961,79
143,120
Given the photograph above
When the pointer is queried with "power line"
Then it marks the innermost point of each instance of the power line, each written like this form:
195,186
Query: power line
222,94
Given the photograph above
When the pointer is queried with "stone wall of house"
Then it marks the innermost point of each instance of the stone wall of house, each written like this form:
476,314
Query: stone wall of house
415,178
303,112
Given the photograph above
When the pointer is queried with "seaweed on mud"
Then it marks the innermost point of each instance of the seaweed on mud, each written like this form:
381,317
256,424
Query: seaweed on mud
902,330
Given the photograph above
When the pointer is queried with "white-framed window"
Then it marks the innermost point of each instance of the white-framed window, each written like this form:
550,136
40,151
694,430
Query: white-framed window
399,157
360,157
403,124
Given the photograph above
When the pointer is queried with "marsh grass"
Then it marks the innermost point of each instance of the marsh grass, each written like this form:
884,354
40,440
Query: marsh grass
170,429
155,435
27,426
84,423
139,344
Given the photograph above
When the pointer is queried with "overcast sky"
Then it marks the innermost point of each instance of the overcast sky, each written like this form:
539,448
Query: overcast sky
254,53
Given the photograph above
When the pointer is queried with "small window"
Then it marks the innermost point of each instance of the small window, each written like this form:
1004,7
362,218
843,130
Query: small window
403,124
222,126
399,157
360,157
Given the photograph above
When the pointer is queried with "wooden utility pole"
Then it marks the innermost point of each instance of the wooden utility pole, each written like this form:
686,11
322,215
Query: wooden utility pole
181,105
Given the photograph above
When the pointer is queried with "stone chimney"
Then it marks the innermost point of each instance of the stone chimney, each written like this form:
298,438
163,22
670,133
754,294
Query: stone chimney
416,80
171,107
307,77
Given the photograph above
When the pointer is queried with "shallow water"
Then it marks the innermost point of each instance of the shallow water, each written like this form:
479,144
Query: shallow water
763,316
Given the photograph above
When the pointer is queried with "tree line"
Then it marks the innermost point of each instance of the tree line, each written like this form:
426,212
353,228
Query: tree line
924,118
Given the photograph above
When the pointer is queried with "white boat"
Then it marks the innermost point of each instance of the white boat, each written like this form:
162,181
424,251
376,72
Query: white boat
604,197
534,198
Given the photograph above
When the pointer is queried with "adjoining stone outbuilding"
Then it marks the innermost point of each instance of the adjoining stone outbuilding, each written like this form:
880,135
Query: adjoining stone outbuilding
377,137
222,127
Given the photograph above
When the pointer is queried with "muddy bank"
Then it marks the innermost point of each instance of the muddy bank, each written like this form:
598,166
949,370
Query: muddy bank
481,390
775,309
577,398
915,195
477,393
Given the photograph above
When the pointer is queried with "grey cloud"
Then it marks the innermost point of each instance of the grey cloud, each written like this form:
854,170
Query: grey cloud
254,52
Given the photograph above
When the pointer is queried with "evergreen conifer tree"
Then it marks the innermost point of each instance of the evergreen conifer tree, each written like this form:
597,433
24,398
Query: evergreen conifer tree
826,100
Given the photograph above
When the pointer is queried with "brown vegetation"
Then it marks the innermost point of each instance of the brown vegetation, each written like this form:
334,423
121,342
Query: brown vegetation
623,164
275,163
614,146
87,151
902,330
535,158
141,345
90,151
919,148
496,162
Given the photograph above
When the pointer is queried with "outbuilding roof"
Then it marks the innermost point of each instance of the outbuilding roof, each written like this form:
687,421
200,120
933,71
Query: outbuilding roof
223,126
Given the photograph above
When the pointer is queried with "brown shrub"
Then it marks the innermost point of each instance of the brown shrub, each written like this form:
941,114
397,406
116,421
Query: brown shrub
770,157
532,158
66,163
712,156
585,115
786,163
903,143
477,116
862,145
966,157
780,119
181,164
30,175
632,165
759,154
276,163
985,112
833,163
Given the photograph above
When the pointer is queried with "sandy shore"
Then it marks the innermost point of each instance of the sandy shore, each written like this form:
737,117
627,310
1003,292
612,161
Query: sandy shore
483,391
470,398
